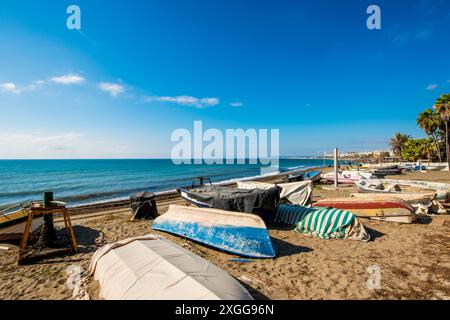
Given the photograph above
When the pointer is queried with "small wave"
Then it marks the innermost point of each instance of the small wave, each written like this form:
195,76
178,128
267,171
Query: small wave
296,167
270,174
76,192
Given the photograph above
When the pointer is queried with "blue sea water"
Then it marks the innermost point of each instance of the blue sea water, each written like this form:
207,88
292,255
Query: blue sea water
86,181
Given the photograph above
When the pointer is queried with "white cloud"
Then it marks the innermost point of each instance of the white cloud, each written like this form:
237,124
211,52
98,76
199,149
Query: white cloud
236,104
35,85
38,139
68,79
113,89
209,101
26,145
431,87
187,101
9,87
68,145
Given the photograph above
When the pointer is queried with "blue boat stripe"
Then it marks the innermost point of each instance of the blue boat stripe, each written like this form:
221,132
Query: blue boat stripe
246,241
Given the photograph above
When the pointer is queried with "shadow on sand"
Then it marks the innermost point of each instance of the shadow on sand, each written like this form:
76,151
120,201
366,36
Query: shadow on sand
286,249
86,240
374,234
424,219
86,237
256,294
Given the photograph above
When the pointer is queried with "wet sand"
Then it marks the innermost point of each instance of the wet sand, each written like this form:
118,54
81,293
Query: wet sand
414,260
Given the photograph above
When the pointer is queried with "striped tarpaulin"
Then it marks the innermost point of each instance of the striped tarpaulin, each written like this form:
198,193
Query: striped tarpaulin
325,223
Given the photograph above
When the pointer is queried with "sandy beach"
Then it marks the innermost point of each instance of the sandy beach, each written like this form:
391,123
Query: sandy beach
414,260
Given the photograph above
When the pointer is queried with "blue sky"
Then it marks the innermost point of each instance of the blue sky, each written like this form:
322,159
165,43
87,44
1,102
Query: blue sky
140,69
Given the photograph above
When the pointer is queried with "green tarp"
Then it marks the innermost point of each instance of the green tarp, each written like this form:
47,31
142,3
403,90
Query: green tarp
325,223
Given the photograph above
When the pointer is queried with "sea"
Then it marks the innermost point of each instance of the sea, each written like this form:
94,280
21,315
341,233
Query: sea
79,182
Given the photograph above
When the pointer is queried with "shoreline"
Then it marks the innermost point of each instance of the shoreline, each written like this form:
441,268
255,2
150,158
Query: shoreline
165,195
84,183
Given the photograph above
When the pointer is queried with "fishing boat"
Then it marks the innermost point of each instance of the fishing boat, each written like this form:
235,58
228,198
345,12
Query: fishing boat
410,197
153,268
12,218
347,177
394,210
381,173
250,200
297,193
313,176
323,223
398,186
235,232
423,202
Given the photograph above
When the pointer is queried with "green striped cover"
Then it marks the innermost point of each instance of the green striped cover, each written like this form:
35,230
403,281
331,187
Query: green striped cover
325,223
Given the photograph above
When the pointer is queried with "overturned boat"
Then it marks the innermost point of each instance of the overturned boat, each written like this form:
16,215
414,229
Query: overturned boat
313,176
153,268
394,210
386,171
397,186
324,223
423,202
297,193
235,232
249,200
347,177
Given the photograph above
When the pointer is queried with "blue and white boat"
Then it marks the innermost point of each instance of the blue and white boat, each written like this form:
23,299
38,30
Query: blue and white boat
303,176
239,233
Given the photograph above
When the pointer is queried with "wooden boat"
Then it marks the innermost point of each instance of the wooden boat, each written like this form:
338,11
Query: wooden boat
423,202
410,197
395,210
11,218
396,186
381,173
347,177
303,176
239,233
153,268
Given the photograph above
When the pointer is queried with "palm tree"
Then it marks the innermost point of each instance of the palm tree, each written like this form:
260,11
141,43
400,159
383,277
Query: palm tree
428,149
430,122
442,107
398,143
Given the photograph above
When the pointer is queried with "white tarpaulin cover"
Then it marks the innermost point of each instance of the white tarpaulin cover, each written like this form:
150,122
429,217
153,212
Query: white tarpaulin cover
297,193
153,268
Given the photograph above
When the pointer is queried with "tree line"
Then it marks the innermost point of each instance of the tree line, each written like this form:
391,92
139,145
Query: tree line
434,122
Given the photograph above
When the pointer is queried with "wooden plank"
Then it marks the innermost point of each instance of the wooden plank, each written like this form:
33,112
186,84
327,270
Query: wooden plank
15,232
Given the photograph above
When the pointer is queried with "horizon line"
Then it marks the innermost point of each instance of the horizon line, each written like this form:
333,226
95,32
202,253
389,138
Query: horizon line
157,158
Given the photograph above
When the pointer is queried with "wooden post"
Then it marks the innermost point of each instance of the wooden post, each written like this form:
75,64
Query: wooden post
48,198
48,233
25,235
335,168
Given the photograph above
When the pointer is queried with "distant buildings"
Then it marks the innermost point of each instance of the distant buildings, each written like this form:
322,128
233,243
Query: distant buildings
362,154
